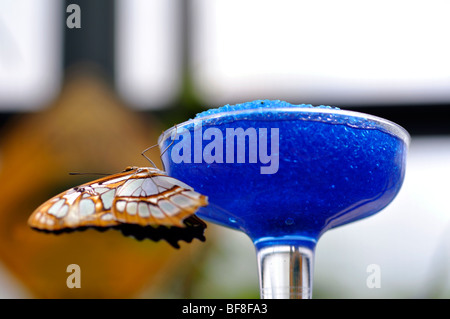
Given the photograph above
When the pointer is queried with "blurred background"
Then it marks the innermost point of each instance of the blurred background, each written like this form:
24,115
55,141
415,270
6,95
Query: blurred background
91,94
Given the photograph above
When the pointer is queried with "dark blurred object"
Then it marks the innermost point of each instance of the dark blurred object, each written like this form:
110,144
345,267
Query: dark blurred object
94,41
85,130
428,119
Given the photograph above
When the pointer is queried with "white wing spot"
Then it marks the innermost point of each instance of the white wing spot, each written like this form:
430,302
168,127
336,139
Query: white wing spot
182,201
143,210
87,207
43,219
56,210
149,187
156,212
132,208
120,205
131,188
107,217
64,210
169,182
107,198
168,207
191,194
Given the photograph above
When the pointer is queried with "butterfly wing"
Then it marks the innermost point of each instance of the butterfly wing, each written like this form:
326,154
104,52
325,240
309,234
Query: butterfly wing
150,197
87,205
140,202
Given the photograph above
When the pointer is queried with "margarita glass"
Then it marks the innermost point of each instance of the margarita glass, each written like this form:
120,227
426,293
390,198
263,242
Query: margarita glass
284,174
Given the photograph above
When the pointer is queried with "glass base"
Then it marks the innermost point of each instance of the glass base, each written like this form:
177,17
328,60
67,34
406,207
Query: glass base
285,272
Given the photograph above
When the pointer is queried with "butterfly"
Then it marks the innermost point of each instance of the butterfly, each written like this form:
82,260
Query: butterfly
142,202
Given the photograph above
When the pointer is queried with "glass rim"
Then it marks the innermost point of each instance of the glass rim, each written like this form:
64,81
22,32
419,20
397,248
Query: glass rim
391,127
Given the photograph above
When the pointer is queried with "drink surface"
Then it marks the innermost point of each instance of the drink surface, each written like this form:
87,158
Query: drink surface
284,171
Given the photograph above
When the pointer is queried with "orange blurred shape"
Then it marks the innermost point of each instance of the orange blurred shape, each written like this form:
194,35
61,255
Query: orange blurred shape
85,130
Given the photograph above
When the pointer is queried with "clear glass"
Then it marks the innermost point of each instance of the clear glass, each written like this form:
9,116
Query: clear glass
284,176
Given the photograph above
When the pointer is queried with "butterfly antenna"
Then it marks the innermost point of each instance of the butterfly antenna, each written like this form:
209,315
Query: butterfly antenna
162,153
173,141
146,157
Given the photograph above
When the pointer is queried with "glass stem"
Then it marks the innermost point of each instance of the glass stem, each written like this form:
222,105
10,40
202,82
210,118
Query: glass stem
285,272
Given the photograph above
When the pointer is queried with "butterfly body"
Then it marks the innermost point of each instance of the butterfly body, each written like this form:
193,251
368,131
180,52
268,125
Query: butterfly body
141,201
